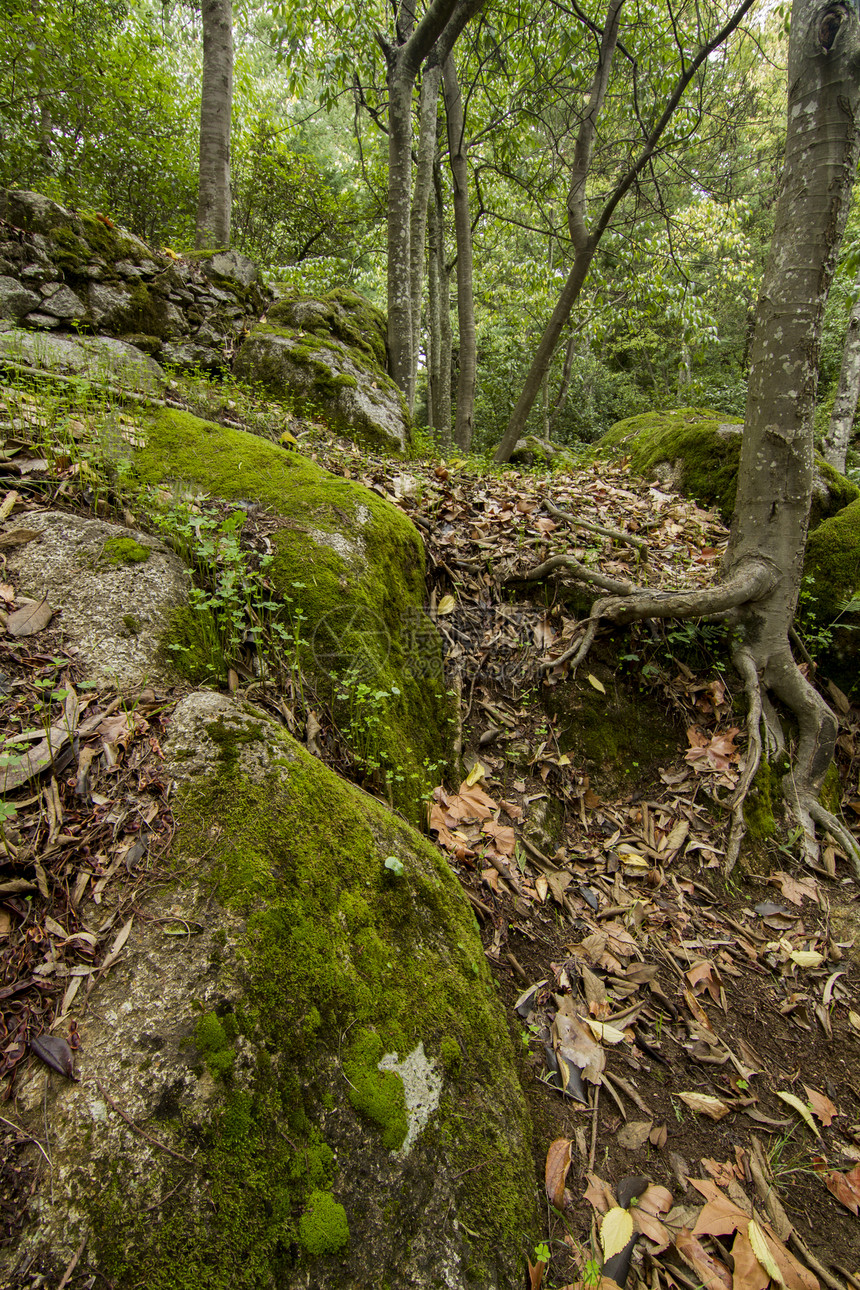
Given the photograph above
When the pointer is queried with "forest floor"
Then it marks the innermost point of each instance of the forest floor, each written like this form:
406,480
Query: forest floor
689,1044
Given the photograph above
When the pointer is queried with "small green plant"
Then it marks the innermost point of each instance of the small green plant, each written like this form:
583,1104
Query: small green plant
542,1252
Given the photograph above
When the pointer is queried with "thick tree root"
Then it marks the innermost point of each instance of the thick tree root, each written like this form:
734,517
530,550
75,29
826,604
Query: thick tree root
745,664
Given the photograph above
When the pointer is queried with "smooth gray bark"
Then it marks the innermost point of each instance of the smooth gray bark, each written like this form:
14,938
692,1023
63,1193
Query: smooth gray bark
427,117
439,310
436,33
835,446
467,375
216,102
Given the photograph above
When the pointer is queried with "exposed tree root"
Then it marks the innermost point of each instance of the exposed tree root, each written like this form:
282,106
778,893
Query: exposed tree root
745,664
763,666
618,535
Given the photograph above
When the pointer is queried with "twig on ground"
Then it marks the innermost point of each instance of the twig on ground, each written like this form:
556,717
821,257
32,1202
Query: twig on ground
140,1133
73,1263
592,1151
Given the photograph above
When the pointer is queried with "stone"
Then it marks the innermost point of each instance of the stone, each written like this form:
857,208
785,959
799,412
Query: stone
362,402
101,358
16,300
61,302
696,451
114,613
38,319
324,1057
109,304
534,451
226,267
192,353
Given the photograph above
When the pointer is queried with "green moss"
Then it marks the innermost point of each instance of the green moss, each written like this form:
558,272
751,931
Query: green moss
323,1228
131,624
216,1049
833,561
703,447
759,803
619,738
829,612
377,1094
451,1054
329,948
343,313
830,796
349,569
125,551
705,443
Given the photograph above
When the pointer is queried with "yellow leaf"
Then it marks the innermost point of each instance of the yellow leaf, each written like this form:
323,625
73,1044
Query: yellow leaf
592,680
563,760
288,440
705,1105
446,605
854,1018
477,772
762,1252
802,1110
806,958
600,1030
615,1231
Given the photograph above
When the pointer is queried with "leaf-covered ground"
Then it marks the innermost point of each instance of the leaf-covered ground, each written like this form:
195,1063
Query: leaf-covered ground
690,1047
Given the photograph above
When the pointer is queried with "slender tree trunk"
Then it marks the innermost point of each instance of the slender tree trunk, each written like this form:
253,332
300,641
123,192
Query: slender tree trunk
584,245
835,445
440,319
440,25
216,102
463,230
427,117
567,372
399,203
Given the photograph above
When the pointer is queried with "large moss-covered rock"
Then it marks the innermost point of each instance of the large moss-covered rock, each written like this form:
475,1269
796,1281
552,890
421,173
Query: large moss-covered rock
830,596
328,355
348,569
697,451
308,1043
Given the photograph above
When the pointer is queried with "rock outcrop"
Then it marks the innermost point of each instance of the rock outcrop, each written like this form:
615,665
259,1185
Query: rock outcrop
697,452
61,269
329,355
317,1074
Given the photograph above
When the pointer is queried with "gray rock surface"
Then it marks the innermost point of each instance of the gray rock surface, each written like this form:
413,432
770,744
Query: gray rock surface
113,614
101,358
16,300
362,401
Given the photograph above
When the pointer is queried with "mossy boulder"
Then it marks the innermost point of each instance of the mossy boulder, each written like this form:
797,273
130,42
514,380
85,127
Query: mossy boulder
697,452
534,451
348,569
829,612
280,1029
328,355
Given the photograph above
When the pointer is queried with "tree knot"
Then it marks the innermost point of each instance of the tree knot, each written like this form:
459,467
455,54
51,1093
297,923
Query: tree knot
829,25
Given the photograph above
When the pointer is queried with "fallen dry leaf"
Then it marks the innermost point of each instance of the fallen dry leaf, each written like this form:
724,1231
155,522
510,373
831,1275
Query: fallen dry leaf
846,1188
555,1173
704,1104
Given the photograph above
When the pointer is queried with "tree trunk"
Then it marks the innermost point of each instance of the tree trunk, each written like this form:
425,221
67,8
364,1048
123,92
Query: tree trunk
763,566
435,34
584,245
463,231
564,386
439,384
427,115
835,445
216,102
775,480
